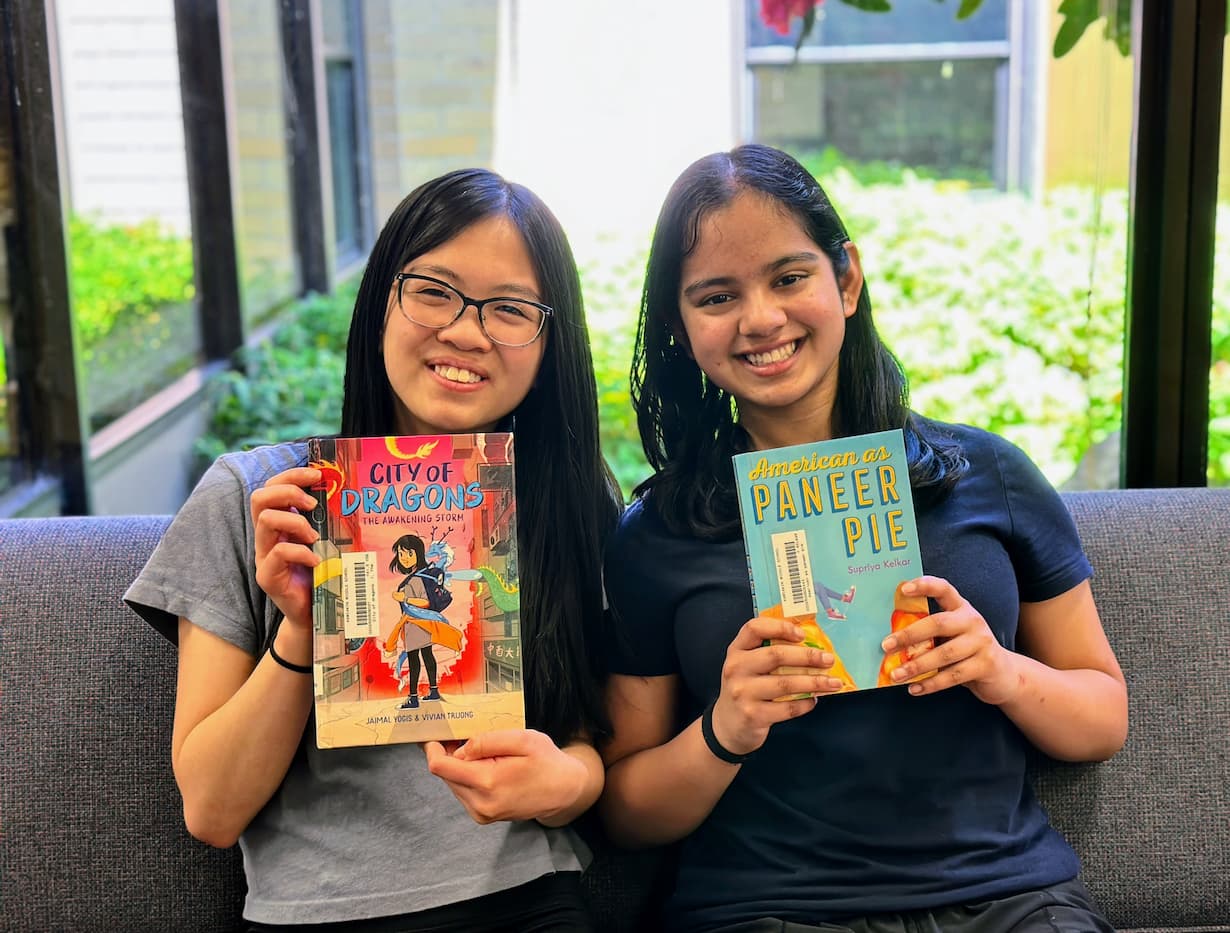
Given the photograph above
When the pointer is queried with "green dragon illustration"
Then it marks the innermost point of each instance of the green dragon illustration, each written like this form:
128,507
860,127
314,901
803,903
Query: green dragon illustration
506,598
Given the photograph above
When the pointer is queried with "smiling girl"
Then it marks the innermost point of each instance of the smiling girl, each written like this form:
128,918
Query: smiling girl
468,318
895,809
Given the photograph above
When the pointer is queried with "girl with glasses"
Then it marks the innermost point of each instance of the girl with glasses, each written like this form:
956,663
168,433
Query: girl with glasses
406,837
892,809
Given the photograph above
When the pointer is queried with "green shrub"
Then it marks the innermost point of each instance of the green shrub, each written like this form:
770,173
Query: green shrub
1006,312
122,273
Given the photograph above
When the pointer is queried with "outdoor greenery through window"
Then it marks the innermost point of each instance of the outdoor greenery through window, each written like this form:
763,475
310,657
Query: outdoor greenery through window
996,267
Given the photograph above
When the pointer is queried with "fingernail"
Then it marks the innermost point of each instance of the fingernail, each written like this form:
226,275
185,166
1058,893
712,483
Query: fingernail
827,660
835,683
915,689
899,674
889,643
909,588
798,633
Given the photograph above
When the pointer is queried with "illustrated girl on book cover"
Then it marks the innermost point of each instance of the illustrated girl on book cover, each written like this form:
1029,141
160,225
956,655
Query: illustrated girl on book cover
421,595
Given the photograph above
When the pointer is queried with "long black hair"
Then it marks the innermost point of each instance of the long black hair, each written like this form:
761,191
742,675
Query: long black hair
688,424
409,543
567,501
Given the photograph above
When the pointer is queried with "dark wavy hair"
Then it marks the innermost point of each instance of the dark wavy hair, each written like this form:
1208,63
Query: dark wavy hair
567,500
688,424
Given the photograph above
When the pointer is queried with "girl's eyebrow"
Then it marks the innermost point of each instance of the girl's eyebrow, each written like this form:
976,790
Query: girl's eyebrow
724,280
506,289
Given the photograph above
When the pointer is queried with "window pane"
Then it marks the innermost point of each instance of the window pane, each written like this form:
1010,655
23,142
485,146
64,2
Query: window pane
908,21
130,252
343,146
1219,375
989,200
269,273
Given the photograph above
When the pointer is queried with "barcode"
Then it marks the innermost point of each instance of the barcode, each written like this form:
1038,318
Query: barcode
359,594
794,579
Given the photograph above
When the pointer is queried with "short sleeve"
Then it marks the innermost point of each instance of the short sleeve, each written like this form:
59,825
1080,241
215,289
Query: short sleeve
1045,546
641,596
204,569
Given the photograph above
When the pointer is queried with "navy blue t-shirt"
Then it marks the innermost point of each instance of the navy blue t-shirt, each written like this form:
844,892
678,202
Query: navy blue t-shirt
876,801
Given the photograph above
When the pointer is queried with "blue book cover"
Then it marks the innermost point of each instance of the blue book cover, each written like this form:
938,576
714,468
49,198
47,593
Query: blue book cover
830,536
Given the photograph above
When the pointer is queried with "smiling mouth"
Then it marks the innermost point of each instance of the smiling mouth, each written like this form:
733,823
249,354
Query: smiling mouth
453,374
783,352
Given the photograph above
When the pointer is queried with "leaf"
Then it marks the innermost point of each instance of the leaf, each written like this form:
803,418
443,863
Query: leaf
968,8
1078,16
809,23
871,6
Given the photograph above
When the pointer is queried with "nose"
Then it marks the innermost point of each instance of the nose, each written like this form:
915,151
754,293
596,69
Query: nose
466,332
762,314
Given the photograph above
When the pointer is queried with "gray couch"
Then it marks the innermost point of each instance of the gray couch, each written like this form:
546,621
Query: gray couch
91,836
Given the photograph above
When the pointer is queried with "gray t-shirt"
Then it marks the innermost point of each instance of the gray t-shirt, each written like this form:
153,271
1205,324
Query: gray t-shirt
352,833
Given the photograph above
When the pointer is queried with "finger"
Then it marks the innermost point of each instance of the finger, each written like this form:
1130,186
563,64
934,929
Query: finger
296,476
936,588
795,685
771,657
282,496
755,632
497,744
457,773
286,554
434,751
274,525
947,658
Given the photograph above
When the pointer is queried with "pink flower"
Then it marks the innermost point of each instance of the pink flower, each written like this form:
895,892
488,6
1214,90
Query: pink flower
777,14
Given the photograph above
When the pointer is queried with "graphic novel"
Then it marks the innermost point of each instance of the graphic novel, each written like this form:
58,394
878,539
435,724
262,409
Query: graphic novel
416,607
830,536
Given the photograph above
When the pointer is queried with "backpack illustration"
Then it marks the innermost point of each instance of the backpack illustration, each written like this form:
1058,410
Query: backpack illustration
438,596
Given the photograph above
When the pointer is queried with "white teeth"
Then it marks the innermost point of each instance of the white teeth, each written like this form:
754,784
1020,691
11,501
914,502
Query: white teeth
773,356
453,374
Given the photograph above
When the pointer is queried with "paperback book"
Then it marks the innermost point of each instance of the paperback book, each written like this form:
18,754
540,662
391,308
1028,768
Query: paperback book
830,536
416,603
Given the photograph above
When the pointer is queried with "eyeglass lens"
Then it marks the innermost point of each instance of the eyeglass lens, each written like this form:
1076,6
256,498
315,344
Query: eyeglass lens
505,320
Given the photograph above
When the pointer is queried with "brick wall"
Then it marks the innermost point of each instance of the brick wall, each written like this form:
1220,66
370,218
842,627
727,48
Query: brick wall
431,91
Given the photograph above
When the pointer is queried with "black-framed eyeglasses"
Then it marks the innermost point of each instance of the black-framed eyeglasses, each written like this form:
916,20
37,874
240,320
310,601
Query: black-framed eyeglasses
510,322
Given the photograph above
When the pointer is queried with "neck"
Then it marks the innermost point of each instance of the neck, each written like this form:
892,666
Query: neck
784,429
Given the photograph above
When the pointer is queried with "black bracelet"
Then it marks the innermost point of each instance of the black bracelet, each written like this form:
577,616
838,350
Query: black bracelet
289,665
719,751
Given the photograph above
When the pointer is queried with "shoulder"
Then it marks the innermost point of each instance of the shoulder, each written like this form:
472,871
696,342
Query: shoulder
985,450
252,468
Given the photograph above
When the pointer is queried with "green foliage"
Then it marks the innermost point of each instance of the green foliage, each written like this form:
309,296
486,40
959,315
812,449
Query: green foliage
286,387
1006,312
123,274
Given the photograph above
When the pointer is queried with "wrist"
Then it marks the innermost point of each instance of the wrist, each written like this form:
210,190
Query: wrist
714,744
292,651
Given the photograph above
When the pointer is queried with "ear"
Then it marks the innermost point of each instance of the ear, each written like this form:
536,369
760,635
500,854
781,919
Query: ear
851,283
679,338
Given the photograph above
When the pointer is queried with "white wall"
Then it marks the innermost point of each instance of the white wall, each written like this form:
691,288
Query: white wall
600,105
122,114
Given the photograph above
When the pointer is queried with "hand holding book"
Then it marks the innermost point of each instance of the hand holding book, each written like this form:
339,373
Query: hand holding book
283,543
951,647
769,657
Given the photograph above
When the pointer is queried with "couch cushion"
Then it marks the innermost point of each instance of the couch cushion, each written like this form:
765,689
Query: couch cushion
1153,826
92,820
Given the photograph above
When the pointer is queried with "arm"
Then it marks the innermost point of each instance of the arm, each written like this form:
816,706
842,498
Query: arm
1063,689
660,787
519,774
239,720
237,725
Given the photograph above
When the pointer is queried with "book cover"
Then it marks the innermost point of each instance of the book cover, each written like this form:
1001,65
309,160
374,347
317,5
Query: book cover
415,605
830,536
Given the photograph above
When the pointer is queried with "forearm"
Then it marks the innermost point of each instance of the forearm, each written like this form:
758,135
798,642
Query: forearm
661,794
1071,715
234,760
595,778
